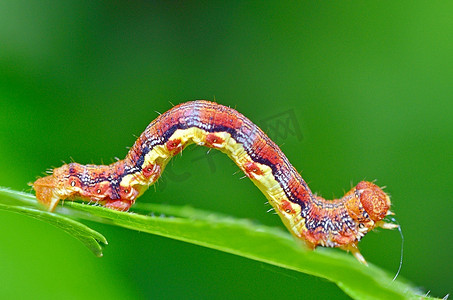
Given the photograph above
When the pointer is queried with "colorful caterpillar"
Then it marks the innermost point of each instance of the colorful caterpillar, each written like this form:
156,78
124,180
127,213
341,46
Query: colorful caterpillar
319,222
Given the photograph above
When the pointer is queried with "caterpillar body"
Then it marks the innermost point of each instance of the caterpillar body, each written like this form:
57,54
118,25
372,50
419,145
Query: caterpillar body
319,222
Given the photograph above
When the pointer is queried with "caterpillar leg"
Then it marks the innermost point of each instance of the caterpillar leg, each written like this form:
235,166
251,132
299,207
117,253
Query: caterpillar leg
355,251
387,225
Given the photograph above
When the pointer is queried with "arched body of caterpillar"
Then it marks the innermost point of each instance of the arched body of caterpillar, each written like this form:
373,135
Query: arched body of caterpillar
337,223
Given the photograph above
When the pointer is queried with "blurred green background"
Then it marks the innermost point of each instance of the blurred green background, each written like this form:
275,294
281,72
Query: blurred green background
368,84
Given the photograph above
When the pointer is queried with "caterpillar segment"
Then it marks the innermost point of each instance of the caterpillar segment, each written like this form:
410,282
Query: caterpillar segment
318,222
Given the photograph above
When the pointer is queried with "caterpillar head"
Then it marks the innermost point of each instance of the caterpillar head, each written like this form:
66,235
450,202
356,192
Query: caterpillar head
373,199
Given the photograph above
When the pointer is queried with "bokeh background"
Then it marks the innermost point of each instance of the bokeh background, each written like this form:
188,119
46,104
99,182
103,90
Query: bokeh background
351,91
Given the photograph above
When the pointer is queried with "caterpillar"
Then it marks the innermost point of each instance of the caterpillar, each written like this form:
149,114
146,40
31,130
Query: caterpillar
318,222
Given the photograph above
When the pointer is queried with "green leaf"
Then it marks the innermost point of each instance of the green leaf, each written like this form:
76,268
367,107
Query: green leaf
91,238
247,239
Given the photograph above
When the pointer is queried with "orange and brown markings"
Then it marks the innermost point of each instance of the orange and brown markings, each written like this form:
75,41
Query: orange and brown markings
338,223
214,141
223,116
174,146
331,225
266,150
252,169
150,169
100,189
287,207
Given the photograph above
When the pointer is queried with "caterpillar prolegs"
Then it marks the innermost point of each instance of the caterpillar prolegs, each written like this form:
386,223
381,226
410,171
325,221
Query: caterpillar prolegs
318,222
